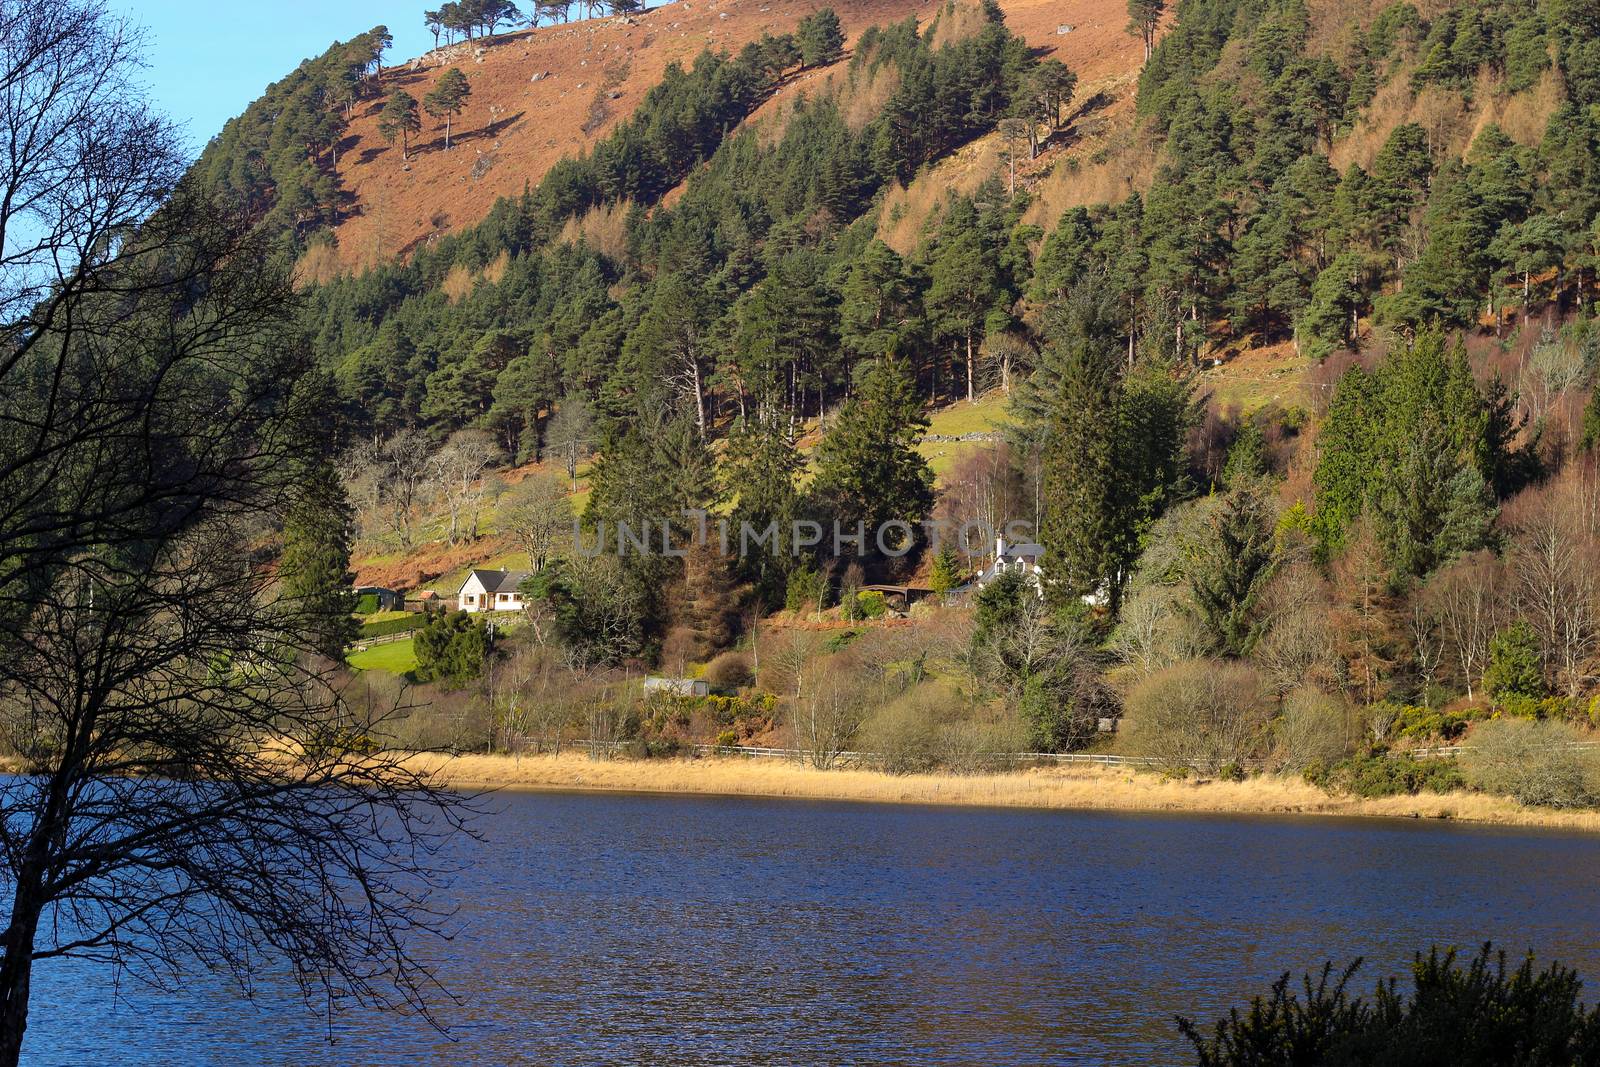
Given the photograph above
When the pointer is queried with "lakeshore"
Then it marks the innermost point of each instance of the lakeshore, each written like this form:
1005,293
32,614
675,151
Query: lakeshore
1087,788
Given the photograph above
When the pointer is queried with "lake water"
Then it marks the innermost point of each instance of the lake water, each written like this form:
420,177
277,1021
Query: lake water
607,929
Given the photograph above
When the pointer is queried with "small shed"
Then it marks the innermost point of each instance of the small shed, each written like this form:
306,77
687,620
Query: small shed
682,687
377,598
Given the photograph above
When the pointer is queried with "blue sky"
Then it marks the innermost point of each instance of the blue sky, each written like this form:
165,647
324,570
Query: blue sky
208,60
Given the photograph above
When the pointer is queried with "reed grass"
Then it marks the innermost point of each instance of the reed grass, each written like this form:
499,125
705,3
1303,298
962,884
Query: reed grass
1081,787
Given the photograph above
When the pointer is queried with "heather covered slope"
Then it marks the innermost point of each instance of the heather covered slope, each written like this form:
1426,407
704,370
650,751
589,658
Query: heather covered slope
542,95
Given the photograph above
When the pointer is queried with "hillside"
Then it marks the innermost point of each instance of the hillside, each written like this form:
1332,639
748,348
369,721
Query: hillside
553,92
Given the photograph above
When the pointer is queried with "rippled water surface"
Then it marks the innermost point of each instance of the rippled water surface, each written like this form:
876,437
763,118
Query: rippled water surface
650,930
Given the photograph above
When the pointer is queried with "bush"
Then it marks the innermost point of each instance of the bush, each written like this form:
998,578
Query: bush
904,735
1061,709
1200,713
840,641
871,604
1378,774
1477,1014
979,747
1534,763
1428,723
730,670
1314,728
366,604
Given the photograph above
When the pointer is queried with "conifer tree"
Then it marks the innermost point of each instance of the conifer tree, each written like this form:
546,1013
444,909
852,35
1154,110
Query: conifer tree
1144,18
1227,582
399,118
961,292
315,565
760,465
868,466
447,99
820,37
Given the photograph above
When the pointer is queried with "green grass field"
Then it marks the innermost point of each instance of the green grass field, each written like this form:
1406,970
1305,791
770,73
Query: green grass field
985,416
396,657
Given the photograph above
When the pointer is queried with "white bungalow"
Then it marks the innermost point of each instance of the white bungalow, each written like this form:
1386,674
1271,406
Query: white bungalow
492,591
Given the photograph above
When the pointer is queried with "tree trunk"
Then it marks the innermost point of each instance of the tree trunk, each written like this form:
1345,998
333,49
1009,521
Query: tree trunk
970,368
16,970
447,131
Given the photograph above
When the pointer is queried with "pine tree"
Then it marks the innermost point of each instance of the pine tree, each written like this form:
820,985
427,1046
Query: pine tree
447,99
1144,19
961,292
876,307
1590,440
760,465
399,118
1227,582
820,37
315,565
868,466
946,572
1079,460
1247,457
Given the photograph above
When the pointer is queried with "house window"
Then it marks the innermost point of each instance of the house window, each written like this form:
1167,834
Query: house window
469,599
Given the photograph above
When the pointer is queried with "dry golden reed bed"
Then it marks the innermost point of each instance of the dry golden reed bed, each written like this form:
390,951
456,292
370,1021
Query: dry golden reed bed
1089,788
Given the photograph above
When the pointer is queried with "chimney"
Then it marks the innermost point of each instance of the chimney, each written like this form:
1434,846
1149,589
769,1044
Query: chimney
999,545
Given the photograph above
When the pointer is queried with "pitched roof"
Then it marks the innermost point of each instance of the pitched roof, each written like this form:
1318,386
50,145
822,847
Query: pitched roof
496,581
1024,550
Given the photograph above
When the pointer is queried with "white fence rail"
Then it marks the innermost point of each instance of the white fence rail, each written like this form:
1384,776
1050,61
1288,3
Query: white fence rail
852,756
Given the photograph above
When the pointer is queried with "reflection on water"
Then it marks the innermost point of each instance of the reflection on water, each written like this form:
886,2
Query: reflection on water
649,930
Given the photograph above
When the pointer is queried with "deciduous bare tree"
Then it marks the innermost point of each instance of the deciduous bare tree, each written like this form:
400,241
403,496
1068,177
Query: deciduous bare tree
1469,598
538,514
1555,563
189,791
458,473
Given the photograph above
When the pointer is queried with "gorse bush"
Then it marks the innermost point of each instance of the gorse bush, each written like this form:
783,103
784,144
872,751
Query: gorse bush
1383,775
1426,723
871,604
1473,1015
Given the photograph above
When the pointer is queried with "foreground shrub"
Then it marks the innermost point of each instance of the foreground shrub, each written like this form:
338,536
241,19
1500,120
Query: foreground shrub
1475,1015
1533,762
1203,714
1313,728
909,734
1379,774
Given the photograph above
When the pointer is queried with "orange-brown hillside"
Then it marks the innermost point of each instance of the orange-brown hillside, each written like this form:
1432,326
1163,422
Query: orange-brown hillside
543,94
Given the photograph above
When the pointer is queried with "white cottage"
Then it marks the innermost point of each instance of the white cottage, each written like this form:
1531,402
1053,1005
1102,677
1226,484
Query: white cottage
492,591
1026,559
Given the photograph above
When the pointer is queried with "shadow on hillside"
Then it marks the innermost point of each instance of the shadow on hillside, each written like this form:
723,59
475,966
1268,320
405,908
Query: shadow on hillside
460,136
